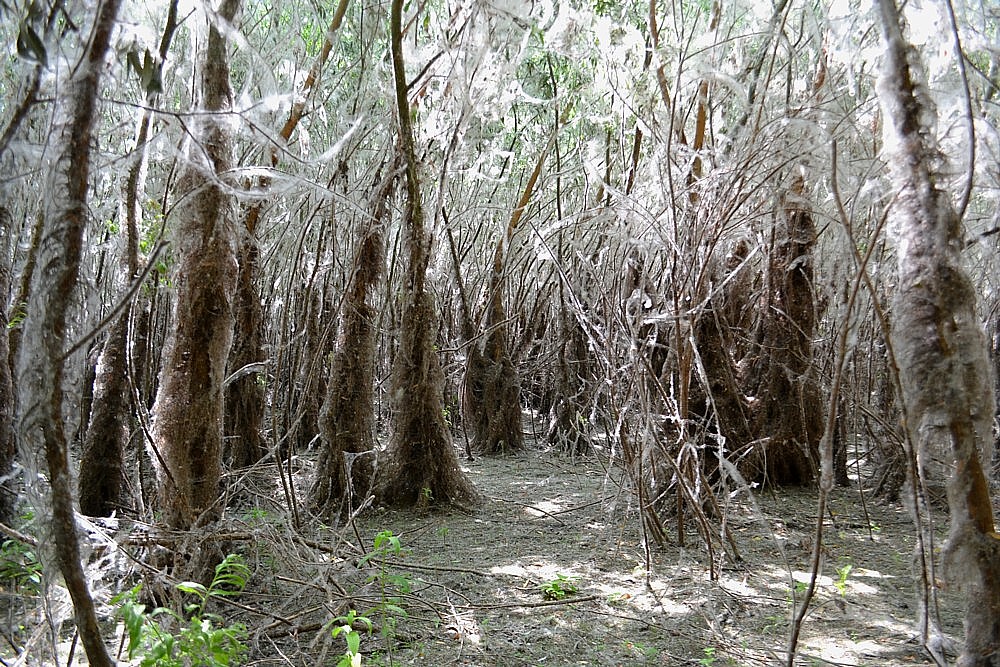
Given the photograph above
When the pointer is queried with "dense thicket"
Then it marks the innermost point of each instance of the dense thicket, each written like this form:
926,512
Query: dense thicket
645,225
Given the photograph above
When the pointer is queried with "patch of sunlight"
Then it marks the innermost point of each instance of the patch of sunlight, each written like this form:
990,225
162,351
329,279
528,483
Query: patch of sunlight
860,588
804,577
738,587
870,574
544,507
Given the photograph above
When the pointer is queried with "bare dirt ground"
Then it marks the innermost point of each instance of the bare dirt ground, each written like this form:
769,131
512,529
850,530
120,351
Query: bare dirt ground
551,569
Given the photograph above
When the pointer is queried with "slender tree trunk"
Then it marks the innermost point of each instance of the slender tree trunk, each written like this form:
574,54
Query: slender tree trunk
40,365
102,463
244,400
187,432
8,444
941,350
423,465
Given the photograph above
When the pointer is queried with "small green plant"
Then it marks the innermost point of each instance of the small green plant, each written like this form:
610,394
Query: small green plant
842,573
709,659
559,588
391,584
19,567
200,638
257,515
344,626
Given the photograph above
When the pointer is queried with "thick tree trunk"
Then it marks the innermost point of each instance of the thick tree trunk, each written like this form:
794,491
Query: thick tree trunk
423,465
787,417
345,470
941,351
187,431
54,280
491,390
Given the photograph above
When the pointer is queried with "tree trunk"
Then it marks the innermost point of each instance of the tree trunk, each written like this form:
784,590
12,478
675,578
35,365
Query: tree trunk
941,350
244,401
8,497
788,413
54,280
102,462
187,431
423,465
346,467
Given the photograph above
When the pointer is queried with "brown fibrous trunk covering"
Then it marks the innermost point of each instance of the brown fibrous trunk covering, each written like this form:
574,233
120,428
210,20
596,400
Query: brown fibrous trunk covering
102,461
188,426
346,467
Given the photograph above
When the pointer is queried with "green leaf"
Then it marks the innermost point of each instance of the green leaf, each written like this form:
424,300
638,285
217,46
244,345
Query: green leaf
194,588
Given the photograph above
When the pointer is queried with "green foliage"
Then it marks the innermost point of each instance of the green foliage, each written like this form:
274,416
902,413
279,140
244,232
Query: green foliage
344,625
842,573
559,588
201,639
20,568
17,315
391,585
709,658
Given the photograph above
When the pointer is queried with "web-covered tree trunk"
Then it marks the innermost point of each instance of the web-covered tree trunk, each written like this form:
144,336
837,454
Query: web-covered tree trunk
941,351
346,467
54,280
491,390
244,400
788,410
8,445
422,464
187,433
102,460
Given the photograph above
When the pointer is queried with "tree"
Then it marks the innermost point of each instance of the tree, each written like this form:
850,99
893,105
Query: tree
422,464
187,432
102,461
345,470
41,364
941,352
8,445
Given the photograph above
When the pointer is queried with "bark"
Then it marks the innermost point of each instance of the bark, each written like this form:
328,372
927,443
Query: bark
187,431
788,413
345,470
102,460
491,390
54,279
244,400
423,465
102,463
8,496
941,350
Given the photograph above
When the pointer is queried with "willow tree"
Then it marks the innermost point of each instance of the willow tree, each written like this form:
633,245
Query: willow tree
40,365
187,431
422,464
941,353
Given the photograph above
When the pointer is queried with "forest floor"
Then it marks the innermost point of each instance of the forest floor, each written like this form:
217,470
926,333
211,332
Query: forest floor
550,569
